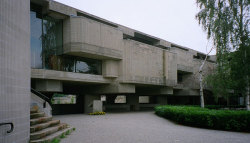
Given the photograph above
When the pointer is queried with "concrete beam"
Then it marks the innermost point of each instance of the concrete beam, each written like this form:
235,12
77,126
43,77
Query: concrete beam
114,89
49,85
187,92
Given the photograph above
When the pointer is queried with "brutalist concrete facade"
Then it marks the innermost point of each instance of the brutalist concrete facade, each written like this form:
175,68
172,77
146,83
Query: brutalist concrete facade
14,70
133,63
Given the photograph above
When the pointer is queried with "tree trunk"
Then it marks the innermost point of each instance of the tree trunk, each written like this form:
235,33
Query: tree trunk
201,80
201,92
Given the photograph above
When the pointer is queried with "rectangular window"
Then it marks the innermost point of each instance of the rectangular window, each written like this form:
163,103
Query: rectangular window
143,99
46,39
35,40
52,41
120,99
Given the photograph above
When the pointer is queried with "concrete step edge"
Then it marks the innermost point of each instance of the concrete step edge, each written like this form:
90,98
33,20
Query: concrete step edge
55,135
47,131
44,125
33,111
39,120
36,115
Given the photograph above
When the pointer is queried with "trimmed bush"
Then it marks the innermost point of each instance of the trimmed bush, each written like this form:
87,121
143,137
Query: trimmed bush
206,118
224,106
97,113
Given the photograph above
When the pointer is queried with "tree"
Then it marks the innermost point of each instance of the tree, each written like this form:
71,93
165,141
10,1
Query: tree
201,80
227,23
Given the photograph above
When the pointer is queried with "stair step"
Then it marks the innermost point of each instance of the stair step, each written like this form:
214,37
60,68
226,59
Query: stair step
32,110
49,138
36,115
39,120
41,126
47,131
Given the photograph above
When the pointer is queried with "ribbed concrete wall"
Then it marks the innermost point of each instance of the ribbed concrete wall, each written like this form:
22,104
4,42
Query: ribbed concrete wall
15,70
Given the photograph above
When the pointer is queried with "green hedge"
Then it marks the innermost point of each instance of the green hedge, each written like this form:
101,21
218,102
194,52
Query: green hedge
206,118
224,106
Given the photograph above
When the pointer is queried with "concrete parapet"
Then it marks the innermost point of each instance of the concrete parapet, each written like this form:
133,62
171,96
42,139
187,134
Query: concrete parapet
67,76
49,85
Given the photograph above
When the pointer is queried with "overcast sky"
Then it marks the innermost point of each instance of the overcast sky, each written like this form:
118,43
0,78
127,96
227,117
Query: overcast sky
171,20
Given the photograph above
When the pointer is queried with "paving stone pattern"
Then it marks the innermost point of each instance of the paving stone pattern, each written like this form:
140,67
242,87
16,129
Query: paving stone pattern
141,127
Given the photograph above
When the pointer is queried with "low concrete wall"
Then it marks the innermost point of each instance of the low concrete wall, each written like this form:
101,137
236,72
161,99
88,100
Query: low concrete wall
37,101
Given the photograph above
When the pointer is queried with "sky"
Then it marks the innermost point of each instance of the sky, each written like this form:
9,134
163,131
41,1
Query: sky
171,20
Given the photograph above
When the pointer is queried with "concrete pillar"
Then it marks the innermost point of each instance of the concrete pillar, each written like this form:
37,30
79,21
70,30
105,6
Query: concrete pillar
97,106
15,70
133,101
89,101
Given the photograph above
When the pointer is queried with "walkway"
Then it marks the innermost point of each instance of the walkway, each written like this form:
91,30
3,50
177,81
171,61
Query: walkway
141,127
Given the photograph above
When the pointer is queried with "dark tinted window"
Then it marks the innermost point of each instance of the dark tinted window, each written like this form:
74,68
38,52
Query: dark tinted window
35,40
89,66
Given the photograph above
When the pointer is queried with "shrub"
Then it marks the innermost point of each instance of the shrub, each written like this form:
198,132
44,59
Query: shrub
97,113
67,132
62,135
206,118
56,140
224,106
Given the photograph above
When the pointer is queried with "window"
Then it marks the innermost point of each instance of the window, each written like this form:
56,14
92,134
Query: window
36,40
120,99
79,65
143,99
52,42
179,77
46,42
45,39
67,64
89,66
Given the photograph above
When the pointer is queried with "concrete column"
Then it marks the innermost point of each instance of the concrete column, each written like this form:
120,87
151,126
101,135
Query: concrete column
88,102
15,70
133,101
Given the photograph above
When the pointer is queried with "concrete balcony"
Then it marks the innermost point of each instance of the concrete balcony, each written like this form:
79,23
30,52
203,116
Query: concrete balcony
67,76
184,68
91,51
86,37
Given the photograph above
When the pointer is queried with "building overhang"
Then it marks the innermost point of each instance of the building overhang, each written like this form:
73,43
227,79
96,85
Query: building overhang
184,68
91,51
67,76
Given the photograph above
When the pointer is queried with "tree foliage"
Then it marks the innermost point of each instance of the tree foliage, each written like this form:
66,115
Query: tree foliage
227,23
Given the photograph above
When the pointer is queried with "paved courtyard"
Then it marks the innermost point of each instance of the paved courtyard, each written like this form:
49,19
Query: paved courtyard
141,127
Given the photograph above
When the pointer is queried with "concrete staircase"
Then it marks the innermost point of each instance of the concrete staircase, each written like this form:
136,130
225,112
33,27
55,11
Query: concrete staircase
45,129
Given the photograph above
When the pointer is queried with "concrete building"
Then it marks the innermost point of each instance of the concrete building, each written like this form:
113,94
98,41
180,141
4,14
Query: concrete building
80,61
73,52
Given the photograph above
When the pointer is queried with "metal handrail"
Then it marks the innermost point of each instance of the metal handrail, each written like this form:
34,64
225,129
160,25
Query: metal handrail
11,126
44,97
